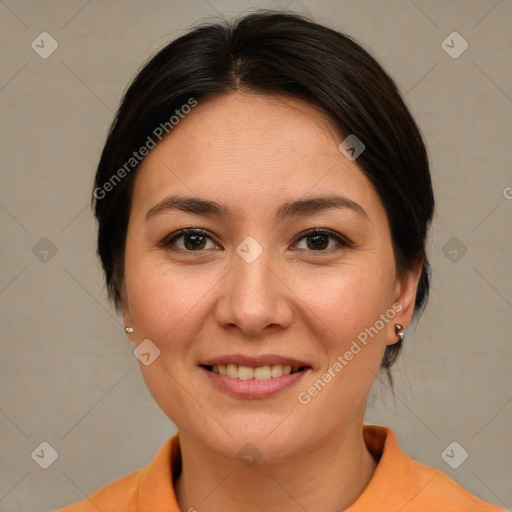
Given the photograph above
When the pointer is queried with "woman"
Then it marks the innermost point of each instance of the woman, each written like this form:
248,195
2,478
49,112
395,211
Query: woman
263,201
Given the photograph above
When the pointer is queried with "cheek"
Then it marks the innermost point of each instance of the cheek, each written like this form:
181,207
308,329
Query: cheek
345,312
166,305
345,302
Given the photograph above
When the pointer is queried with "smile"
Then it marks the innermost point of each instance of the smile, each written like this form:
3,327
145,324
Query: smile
253,377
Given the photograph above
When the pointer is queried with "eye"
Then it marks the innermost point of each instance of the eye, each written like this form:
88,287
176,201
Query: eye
190,240
319,240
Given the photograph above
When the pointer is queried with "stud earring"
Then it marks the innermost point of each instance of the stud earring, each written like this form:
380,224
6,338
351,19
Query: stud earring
399,329
128,330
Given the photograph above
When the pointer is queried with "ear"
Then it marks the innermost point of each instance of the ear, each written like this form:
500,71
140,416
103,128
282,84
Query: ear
405,298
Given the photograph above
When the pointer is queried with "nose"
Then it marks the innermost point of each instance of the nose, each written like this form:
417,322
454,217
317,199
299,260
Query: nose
254,297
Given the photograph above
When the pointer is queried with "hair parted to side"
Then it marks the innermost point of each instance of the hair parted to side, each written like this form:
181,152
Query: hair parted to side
275,53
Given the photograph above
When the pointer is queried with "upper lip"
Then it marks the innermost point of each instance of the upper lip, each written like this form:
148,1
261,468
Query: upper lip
254,361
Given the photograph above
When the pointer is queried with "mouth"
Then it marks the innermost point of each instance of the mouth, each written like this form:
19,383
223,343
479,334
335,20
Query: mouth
253,377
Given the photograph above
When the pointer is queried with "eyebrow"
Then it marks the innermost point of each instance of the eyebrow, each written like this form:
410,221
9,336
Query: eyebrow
296,208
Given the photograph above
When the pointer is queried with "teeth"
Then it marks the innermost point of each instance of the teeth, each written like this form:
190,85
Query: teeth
247,372
262,372
276,370
232,371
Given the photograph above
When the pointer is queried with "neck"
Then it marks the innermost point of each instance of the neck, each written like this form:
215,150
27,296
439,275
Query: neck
328,477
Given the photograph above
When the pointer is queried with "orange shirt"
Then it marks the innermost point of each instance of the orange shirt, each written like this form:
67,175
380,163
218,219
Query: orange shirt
398,484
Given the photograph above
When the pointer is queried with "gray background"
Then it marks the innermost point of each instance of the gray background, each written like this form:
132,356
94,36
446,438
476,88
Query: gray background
68,375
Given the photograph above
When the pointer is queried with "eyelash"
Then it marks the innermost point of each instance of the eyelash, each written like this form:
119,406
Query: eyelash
343,242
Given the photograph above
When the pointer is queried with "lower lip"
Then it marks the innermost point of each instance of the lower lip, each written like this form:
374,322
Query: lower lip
254,388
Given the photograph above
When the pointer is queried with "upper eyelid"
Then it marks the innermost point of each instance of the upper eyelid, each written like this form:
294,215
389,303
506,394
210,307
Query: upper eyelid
321,231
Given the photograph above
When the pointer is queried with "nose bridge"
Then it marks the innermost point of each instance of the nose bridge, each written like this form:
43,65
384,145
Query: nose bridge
251,264
253,297
252,278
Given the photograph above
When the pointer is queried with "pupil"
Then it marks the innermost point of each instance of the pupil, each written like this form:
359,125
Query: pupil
197,241
318,242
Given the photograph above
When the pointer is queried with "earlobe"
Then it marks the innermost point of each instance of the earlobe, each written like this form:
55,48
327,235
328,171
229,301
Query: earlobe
128,329
399,331
127,319
405,296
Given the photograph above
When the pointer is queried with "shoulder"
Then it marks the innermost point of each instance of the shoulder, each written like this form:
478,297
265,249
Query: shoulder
401,483
120,495
147,489
435,490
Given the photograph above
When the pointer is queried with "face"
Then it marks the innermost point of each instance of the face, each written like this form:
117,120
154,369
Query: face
286,261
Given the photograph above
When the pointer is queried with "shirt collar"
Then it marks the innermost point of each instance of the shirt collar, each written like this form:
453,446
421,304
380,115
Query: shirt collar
392,473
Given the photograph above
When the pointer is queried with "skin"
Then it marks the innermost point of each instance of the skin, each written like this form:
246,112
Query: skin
252,153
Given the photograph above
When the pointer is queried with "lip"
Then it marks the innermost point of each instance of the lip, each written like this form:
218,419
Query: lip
253,388
254,361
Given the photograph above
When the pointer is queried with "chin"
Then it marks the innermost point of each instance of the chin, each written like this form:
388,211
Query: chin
270,440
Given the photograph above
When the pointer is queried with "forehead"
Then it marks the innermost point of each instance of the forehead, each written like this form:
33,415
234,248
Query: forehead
251,150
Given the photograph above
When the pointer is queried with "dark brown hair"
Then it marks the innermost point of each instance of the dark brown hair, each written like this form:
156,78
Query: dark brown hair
283,53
